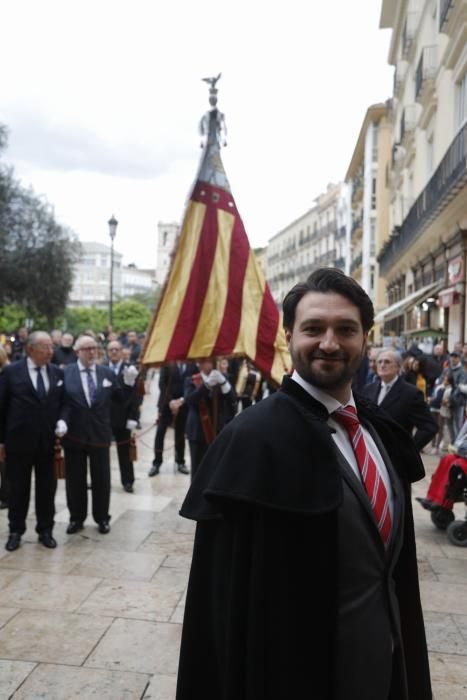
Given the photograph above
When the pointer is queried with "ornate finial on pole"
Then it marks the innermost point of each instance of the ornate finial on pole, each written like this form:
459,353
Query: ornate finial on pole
212,89
216,118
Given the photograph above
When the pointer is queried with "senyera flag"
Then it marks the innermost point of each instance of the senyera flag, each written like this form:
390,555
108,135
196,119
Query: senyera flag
215,300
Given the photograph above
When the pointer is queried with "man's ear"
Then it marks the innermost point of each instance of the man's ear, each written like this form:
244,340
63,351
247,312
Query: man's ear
288,335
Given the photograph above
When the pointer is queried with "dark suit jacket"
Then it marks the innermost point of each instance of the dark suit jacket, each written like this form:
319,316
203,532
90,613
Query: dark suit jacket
128,408
288,572
27,423
406,405
89,426
172,383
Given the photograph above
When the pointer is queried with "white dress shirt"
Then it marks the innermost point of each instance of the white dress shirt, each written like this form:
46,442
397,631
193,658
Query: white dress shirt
341,437
33,374
385,389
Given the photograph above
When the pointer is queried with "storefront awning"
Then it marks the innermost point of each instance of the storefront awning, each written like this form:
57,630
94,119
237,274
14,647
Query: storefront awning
424,333
400,306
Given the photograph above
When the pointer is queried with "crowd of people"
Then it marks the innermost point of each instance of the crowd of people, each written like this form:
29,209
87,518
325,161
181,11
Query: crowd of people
80,394
433,409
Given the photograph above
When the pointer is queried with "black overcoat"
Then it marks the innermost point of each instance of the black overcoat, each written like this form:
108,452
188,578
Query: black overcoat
261,606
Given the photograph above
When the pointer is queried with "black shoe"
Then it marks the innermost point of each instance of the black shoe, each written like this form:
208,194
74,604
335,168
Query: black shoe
128,488
47,540
104,527
74,526
154,471
14,541
182,468
427,504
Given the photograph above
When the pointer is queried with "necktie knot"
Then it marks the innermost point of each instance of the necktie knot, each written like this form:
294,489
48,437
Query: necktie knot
347,417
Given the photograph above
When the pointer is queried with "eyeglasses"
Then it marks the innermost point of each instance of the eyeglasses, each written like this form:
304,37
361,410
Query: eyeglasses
88,349
384,362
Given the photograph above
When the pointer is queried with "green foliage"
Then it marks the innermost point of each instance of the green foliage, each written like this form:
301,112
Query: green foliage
12,317
131,315
82,319
36,253
149,299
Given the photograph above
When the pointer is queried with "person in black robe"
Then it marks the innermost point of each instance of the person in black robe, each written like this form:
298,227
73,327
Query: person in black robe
293,593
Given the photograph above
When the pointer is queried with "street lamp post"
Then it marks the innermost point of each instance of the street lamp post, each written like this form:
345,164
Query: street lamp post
113,223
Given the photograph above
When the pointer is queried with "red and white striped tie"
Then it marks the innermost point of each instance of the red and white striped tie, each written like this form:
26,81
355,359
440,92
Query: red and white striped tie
374,485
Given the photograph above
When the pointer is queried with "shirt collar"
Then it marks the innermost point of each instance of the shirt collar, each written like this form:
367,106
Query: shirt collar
82,368
330,403
390,384
31,365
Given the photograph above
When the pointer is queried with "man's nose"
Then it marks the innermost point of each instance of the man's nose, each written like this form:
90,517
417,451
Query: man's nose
329,341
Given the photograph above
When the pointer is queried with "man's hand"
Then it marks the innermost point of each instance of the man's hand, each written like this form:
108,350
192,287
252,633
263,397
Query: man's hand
175,405
215,377
131,424
61,428
129,375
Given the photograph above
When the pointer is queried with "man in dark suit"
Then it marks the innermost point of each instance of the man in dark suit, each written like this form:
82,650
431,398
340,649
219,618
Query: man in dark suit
123,416
304,581
31,392
401,400
171,410
212,403
89,390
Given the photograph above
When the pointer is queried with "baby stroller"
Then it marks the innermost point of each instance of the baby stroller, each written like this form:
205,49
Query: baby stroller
443,519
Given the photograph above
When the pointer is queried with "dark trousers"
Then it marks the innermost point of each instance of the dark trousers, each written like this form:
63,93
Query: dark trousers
165,419
76,483
122,438
197,452
18,471
4,489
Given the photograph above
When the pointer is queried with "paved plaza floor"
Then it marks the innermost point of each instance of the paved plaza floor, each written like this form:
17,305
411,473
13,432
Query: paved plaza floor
100,616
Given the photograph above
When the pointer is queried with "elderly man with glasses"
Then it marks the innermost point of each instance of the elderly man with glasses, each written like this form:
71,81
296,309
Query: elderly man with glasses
90,389
401,400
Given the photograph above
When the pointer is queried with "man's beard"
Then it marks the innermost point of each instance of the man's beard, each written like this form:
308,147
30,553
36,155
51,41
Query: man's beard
339,376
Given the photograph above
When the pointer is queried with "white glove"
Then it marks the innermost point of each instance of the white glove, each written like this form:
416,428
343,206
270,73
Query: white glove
131,424
212,379
129,375
462,388
61,428
217,376
225,387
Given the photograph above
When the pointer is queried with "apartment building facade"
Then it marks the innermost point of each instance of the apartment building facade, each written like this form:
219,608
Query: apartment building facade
167,234
311,241
424,259
91,278
369,200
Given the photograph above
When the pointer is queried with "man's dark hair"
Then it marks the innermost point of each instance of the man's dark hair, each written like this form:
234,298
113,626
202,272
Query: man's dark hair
324,280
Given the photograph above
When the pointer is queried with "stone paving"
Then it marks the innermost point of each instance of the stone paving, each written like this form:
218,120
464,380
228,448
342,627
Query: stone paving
100,617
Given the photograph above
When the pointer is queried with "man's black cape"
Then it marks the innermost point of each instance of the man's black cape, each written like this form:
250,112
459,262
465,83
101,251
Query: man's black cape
261,608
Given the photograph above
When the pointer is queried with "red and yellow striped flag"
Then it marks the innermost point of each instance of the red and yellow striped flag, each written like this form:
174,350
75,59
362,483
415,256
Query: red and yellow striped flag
216,300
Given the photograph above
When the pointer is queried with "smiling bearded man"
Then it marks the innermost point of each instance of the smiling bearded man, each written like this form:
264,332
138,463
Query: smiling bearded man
304,574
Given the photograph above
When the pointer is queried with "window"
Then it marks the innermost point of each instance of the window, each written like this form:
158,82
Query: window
373,193
429,157
372,239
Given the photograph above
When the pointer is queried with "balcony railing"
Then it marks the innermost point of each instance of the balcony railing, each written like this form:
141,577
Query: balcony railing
449,176
426,69
444,10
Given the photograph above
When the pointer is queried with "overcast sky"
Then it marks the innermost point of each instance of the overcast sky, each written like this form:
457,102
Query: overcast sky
103,100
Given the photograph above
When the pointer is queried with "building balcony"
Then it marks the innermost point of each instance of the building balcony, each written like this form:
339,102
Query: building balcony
408,33
357,189
426,74
357,228
399,77
449,177
408,122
